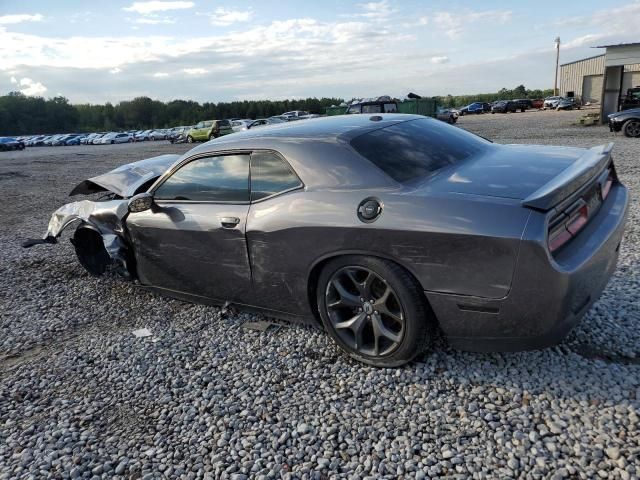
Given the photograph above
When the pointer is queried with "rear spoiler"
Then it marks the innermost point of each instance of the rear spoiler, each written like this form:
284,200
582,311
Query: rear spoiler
570,179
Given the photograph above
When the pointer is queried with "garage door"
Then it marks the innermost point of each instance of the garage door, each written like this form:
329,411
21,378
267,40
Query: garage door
592,88
630,79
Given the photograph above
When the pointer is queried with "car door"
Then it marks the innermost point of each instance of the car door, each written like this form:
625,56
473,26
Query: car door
193,238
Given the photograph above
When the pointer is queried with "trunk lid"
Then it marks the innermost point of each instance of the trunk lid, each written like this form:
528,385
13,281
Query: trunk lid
540,176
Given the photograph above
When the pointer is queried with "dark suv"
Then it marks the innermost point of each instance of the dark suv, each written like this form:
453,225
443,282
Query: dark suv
523,104
504,106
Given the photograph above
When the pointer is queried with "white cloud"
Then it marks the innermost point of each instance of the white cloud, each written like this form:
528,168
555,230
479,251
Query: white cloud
115,70
194,71
160,74
440,59
145,8
19,18
29,87
585,40
13,80
455,23
225,17
376,10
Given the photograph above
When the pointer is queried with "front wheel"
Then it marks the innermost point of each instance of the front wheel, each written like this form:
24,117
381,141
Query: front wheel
189,139
374,310
631,128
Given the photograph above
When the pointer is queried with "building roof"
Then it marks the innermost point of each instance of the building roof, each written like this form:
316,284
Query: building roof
582,60
633,44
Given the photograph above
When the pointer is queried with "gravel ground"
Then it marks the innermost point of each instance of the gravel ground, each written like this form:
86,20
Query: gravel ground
82,397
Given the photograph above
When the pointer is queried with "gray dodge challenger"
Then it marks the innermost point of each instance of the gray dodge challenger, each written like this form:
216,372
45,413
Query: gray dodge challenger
380,228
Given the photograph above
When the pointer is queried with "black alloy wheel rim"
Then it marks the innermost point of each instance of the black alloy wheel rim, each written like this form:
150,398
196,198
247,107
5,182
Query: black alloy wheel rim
633,128
364,311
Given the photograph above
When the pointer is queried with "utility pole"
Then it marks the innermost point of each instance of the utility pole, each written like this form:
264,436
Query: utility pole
555,79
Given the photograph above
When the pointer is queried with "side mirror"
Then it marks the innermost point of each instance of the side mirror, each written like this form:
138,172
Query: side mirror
140,202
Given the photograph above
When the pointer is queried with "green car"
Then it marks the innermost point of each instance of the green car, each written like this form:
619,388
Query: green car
208,130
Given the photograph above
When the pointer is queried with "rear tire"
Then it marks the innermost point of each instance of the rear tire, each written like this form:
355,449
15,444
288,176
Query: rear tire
374,310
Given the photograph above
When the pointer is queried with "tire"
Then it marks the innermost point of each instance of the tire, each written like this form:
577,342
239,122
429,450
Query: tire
631,128
90,250
189,139
351,287
112,142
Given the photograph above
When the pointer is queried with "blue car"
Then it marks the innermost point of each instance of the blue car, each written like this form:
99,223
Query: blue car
10,143
475,107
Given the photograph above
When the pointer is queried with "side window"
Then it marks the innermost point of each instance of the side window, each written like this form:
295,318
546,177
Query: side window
270,175
210,179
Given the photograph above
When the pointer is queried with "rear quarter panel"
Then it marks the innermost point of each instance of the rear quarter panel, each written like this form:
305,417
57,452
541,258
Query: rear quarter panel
454,244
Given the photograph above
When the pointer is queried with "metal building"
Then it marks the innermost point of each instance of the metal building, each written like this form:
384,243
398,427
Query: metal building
584,78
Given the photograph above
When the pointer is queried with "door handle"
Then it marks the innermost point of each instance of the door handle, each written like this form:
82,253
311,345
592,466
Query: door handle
229,222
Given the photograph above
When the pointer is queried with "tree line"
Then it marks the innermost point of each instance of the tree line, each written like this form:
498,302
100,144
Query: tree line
24,115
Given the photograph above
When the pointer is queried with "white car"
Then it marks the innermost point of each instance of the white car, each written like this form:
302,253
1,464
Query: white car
551,102
240,125
296,115
111,138
142,136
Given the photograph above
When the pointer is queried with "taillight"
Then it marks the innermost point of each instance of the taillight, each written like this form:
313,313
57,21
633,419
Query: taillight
564,227
578,219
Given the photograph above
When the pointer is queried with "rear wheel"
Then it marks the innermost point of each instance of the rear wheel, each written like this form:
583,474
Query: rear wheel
631,128
374,310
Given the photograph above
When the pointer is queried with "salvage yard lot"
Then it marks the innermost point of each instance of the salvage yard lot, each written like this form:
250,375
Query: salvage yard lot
81,396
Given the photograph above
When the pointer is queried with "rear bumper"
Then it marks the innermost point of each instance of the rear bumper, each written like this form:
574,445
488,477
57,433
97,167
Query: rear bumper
548,295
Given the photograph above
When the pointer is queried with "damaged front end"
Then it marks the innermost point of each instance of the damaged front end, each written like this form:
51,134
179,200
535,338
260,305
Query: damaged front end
100,240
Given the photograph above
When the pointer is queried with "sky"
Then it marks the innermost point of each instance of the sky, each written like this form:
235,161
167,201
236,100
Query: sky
208,50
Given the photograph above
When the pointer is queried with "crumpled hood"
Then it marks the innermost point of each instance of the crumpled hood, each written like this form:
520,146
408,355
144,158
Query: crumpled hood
127,179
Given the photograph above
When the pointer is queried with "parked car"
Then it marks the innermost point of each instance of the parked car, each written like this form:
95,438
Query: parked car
262,122
475,107
382,104
36,141
523,104
158,135
447,115
626,121
178,134
240,125
11,143
569,103
208,130
551,102
142,136
504,106
537,103
111,138
508,258
75,139
296,115
631,99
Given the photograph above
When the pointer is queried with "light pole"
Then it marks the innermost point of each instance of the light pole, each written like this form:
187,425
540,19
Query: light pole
555,79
